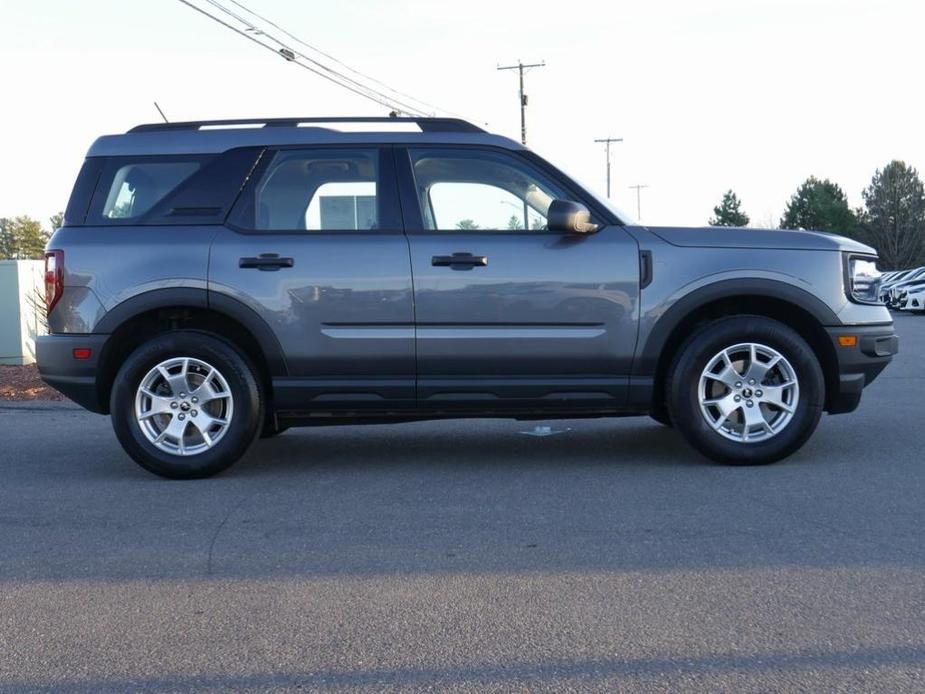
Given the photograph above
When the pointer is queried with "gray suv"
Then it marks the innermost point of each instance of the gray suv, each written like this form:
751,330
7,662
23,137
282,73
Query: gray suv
215,282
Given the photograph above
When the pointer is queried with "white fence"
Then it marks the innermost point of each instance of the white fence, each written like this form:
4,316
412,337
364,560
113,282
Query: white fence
22,309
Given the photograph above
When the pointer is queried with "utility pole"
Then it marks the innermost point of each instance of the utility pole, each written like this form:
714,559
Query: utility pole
638,188
607,141
520,67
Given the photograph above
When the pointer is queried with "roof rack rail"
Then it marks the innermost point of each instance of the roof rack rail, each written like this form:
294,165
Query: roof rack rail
427,125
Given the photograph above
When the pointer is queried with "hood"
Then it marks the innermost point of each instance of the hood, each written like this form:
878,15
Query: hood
746,237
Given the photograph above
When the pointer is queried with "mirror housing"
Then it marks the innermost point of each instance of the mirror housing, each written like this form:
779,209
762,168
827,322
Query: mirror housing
569,217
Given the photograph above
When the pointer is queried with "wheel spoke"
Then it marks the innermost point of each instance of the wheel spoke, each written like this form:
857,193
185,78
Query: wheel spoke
726,405
728,376
759,371
158,405
203,423
177,382
720,421
774,396
753,417
206,392
176,428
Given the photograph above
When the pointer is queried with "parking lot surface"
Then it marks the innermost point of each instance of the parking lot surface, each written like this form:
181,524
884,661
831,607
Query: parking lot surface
469,556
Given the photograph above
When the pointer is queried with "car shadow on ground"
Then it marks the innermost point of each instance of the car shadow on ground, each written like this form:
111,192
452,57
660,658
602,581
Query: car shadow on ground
635,442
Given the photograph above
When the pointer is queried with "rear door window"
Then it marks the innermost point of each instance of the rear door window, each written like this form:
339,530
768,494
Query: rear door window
321,189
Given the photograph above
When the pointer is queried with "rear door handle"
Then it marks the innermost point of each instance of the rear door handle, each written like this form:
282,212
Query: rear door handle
266,261
459,261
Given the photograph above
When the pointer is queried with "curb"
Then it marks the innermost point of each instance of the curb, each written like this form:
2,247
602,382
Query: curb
39,406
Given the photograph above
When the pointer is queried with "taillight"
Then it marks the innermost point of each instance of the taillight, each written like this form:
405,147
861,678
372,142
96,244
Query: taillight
54,278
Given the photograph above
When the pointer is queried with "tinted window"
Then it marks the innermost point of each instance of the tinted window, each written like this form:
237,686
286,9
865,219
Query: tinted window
480,189
137,187
130,188
318,190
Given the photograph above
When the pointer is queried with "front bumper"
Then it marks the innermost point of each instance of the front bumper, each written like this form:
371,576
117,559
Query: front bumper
75,378
860,364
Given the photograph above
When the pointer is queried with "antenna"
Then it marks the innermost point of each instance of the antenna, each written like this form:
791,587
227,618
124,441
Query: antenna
161,112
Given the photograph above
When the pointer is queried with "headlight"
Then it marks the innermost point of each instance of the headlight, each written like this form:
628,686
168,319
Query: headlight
862,279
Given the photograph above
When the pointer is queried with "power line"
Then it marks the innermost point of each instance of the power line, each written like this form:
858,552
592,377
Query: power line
638,188
339,62
289,54
607,141
366,93
520,67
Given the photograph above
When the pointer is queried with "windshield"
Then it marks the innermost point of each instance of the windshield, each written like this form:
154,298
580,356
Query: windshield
625,217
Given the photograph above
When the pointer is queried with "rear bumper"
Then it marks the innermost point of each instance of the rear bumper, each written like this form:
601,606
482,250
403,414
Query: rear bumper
75,378
860,364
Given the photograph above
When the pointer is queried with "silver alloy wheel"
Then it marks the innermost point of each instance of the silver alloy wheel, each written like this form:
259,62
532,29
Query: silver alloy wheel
183,406
748,392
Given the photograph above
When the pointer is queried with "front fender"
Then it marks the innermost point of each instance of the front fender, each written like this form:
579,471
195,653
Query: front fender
664,319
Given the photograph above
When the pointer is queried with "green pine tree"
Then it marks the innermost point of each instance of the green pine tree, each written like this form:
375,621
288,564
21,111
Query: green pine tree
729,213
820,205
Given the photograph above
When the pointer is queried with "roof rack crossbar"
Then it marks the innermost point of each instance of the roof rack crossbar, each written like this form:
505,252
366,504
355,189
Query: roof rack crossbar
443,125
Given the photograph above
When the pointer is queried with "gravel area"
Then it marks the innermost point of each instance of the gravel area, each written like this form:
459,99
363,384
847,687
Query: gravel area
24,383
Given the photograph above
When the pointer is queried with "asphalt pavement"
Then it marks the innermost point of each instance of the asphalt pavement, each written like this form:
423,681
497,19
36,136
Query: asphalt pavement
468,556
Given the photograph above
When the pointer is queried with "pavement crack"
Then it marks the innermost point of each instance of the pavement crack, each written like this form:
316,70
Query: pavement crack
221,526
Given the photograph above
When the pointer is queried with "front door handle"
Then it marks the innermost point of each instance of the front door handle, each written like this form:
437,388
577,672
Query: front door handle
266,261
459,261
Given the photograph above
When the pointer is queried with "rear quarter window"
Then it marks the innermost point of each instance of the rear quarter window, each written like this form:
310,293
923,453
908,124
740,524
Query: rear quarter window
131,187
136,188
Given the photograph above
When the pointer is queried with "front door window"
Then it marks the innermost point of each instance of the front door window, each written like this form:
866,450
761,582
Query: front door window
473,189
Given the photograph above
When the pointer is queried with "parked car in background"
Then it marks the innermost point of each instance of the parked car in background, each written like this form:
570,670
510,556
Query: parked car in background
898,290
213,281
911,297
888,289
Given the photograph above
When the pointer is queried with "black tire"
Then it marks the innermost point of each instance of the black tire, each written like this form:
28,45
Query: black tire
244,386
694,356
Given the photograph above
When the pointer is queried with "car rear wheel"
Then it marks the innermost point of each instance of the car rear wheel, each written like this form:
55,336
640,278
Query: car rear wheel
746,390
186,405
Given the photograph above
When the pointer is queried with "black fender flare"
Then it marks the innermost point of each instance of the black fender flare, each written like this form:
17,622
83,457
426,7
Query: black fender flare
189,297
648,357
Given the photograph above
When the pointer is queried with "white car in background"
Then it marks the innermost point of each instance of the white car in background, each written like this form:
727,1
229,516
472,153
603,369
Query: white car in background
889,292
913,299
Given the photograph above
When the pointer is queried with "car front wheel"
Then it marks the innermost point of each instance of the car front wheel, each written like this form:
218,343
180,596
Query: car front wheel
746,390
186,405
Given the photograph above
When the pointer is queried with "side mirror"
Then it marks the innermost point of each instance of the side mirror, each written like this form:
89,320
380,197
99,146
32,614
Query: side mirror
569,217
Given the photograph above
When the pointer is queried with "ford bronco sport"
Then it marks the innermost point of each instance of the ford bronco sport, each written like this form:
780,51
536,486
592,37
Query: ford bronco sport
218,281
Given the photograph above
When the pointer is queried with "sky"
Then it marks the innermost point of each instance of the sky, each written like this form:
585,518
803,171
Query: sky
753,95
